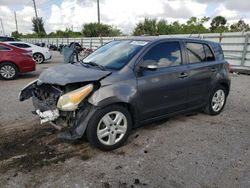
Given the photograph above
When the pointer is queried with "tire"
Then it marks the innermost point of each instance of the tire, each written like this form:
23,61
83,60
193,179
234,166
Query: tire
104,133
218,97
8,71
39,58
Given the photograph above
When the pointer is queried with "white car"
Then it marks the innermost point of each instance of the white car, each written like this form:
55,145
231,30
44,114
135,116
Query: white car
40,54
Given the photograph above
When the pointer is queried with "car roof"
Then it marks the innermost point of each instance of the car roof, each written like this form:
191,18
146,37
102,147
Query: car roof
161,38
17,42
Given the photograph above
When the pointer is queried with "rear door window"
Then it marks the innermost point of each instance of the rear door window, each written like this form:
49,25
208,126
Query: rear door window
198,52
164,54
209,53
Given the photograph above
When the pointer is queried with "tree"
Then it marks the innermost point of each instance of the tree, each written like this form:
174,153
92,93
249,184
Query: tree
218,24
38,23
239,26
100,30
195,25
16,35
147,27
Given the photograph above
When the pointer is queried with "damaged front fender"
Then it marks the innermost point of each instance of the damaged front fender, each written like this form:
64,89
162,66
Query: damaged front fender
27,91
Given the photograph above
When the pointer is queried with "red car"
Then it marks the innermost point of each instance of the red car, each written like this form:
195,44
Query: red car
14,61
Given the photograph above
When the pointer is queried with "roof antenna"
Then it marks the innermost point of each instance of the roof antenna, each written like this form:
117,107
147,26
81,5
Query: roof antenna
191,34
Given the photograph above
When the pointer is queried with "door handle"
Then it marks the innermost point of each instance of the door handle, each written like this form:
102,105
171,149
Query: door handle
213,69
183,75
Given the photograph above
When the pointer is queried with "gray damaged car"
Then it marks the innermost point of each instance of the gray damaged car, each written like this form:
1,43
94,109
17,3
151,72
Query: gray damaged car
126,83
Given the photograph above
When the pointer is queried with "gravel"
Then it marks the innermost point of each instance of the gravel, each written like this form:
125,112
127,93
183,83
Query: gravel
193,150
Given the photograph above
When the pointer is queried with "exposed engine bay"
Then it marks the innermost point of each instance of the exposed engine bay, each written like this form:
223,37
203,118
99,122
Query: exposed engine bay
59,95
46,97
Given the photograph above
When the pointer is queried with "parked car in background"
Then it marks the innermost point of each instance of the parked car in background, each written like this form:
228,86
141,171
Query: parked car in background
129,82
52,47
40,54
14,61
4,39
42,44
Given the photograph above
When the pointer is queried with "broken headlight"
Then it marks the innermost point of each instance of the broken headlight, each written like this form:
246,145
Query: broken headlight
71,100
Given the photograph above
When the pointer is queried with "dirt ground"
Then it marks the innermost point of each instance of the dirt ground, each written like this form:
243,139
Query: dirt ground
194,150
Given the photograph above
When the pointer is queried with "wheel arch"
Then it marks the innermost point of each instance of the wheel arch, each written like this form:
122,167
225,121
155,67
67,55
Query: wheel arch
226,85
116,101
11,62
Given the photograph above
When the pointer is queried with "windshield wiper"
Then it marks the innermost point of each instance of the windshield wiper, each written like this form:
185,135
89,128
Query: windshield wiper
94,64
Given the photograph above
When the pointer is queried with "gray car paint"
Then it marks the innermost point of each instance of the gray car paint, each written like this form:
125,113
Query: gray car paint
147,94
70,73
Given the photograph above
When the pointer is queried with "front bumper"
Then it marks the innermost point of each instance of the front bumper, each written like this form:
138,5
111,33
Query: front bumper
48,116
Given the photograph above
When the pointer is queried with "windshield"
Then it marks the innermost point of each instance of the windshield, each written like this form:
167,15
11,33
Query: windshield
115,54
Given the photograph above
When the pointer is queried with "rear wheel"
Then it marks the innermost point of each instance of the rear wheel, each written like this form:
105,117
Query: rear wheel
39,58
109,127
8,71
216,101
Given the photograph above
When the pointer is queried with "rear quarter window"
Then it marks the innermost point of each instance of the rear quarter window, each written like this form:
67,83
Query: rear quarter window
218,52
3,48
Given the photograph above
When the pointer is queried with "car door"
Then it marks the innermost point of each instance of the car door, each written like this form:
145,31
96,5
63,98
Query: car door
202,68
163,90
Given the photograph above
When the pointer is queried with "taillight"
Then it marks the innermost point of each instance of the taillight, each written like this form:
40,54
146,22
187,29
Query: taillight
229,67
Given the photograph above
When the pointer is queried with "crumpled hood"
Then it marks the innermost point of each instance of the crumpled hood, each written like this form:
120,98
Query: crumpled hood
70,73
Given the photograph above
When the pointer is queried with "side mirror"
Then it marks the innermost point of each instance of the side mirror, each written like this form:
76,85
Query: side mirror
149,65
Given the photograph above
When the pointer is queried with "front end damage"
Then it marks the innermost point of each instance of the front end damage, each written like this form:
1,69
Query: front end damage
64,107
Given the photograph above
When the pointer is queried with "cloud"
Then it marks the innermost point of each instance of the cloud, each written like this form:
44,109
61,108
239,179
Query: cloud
120,13
237,5
229,14
123,14
24,17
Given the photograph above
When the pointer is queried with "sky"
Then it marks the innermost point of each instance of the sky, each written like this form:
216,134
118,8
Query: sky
123,14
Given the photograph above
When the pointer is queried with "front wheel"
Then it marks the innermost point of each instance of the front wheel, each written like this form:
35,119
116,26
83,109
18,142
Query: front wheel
109,127
216,101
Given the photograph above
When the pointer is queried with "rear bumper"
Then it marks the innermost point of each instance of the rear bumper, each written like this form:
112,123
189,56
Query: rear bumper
47,56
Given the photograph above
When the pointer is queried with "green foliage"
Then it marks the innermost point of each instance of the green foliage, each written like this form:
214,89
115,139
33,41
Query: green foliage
218,25
38,26
162,27
65,34
148,27
98,30
16,35
239,26
195,25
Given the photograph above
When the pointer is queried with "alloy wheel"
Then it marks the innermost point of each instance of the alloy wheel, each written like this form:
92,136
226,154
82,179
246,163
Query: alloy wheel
38,58
112,128
7,71
218,100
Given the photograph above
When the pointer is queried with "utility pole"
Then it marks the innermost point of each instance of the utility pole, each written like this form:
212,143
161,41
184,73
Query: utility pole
2,26
16,21
34,3
98,11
